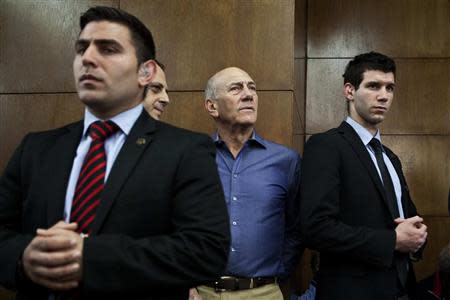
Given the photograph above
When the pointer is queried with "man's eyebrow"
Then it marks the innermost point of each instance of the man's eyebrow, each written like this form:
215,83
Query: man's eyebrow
380,82
156,84
240,83
107,42
100,42
81,42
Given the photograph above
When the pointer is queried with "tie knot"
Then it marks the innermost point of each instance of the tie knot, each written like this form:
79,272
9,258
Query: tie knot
376,145
101,130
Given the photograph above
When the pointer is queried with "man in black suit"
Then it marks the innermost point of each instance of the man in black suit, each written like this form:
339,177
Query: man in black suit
138,214
355,207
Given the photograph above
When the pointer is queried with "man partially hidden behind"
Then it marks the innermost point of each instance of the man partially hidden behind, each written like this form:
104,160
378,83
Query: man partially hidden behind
118,205
356,209
156,98
260,180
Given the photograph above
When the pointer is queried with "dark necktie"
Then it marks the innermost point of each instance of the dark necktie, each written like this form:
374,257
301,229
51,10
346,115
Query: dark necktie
91,180
387,180
401,262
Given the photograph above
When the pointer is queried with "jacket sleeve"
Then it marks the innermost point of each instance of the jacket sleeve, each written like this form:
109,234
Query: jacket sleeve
12,241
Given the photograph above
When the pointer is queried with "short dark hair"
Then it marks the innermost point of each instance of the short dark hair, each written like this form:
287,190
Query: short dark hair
365,62
141,36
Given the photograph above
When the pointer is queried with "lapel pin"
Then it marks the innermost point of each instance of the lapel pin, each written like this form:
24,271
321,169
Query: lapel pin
141,141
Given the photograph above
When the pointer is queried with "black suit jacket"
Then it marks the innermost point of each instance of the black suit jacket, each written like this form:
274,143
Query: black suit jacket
346,216
162,225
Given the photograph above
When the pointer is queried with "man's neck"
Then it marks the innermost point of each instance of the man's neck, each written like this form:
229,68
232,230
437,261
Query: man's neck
235,138
372,128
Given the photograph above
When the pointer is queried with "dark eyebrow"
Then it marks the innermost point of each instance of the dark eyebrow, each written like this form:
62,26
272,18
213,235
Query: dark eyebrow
99,42
81,42
108,42
156,84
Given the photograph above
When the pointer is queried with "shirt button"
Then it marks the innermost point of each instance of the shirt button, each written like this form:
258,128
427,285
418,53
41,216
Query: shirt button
234,198
232,249
234,223
234,175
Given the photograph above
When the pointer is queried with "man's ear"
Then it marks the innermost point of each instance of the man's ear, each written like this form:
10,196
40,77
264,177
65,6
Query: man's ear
349,91
147,71
211,108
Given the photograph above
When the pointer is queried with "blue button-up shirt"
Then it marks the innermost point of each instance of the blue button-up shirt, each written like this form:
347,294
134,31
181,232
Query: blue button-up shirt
261,192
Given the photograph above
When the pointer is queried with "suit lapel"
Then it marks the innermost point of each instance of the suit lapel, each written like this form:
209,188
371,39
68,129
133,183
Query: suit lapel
354,140
135,144
61,155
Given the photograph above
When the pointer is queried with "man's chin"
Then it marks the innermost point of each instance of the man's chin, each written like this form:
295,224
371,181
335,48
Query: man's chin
89,98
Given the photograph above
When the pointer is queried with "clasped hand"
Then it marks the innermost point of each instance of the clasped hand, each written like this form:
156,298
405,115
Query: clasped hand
53,259
411,234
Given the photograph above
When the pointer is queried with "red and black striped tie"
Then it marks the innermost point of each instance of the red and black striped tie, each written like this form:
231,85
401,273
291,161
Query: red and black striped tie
91,180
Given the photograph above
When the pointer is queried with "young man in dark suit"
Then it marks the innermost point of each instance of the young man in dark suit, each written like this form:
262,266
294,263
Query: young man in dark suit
355,203
118,205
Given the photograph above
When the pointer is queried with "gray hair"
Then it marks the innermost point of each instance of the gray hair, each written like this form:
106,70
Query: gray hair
210,90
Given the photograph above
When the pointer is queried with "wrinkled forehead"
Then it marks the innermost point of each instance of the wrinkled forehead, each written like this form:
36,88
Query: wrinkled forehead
232,76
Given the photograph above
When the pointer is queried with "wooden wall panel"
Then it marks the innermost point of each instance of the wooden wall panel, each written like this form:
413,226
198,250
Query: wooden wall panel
421,104
20,114
299,92
325,105
37,47
438,237
422,101
425,161
275,113
195,39
402,28
298,142
300,28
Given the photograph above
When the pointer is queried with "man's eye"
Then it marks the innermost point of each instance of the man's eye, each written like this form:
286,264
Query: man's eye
109,50
80,49
252,87
390,88
155,88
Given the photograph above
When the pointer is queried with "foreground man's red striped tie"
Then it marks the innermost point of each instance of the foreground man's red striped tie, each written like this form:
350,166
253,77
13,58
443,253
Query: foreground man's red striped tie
91,180
89,188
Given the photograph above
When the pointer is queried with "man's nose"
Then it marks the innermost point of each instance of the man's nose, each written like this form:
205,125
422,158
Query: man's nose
165,97
383,94
248,93
89,57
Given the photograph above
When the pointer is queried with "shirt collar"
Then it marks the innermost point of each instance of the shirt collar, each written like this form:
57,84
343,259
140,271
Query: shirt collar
255,139
362,132
125,120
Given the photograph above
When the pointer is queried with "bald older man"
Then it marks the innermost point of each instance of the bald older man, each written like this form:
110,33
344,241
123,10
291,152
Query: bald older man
260,181
156,98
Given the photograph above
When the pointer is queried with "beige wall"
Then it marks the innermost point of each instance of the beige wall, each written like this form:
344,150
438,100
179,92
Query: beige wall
294,49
